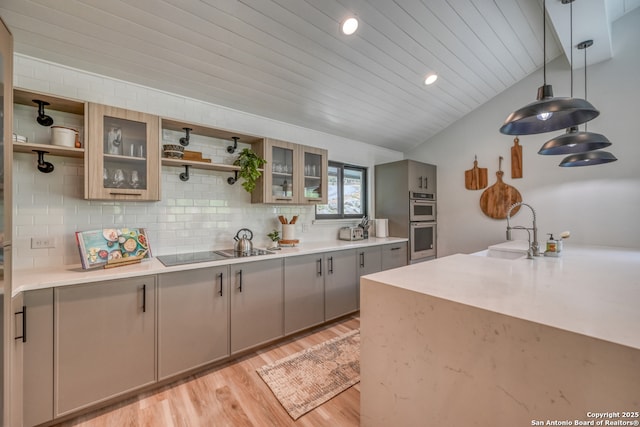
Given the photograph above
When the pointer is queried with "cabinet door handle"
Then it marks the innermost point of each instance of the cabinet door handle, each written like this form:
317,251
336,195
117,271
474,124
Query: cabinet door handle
240,273
23,337
319,264
121,193
361,259
420,182
331,265
144,298
425,182
220,277
396,248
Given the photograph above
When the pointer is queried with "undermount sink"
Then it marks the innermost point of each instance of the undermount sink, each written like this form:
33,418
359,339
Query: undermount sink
493,253
513,249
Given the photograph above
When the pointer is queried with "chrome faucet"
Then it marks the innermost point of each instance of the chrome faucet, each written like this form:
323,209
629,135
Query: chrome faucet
534,247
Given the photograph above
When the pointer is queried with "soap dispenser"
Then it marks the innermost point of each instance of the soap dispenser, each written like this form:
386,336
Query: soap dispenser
552,246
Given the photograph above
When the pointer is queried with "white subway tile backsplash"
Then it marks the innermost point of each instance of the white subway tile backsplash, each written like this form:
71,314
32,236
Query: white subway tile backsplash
67,90
32,83
201,214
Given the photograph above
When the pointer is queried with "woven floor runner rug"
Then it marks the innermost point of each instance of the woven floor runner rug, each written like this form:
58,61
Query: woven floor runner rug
307,379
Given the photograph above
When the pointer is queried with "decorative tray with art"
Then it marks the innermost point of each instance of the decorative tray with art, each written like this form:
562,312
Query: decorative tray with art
112,247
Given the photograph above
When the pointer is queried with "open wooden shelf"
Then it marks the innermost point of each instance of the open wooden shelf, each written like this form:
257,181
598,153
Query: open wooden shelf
57,103
200,165
52,150
178,125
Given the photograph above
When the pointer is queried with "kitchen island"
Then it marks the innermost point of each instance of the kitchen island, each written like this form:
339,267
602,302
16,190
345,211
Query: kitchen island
472,340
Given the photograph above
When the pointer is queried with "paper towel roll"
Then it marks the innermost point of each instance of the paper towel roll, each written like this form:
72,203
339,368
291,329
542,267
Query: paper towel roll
382,227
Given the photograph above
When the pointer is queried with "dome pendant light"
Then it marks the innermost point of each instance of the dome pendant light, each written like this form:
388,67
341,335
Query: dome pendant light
574,141
548,113
588,141
590,158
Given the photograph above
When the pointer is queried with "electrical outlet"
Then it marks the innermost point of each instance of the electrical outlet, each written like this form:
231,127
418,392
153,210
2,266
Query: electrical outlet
305,227
43,242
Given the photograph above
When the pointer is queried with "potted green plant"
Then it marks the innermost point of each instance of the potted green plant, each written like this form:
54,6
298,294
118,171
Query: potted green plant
275,238
249,163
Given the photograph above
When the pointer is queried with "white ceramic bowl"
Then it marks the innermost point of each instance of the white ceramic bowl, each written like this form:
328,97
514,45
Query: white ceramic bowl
63,136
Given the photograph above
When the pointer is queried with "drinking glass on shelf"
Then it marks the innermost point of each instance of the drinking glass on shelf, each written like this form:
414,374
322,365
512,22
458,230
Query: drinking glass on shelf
134,182
118,178
114,141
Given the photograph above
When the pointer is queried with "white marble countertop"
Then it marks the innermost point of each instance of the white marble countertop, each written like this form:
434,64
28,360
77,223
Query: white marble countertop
588,290
26,280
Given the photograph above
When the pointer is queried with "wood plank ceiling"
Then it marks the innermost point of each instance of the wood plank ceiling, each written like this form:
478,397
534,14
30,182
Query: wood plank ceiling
286,60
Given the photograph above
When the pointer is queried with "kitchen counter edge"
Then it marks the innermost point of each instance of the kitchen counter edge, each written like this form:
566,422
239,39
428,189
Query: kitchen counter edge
50,277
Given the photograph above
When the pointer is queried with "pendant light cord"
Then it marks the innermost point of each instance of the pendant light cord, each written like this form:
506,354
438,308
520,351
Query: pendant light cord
544,41
585,81
571,42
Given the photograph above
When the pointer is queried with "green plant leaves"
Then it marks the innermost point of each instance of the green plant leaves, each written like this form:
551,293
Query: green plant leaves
249,163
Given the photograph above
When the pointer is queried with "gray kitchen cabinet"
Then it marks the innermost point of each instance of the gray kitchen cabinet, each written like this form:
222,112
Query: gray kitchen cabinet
369,262
193,319
257,303
104,341
34,350
340,284
394,255
303,292
422,177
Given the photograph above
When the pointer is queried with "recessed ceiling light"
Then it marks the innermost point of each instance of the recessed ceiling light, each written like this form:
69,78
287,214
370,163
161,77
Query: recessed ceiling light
349,26
431,78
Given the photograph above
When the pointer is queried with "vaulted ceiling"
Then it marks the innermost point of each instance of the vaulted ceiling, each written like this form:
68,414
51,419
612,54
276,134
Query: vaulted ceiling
286,59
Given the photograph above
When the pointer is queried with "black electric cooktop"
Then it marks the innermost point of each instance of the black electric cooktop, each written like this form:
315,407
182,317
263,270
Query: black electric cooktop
194,257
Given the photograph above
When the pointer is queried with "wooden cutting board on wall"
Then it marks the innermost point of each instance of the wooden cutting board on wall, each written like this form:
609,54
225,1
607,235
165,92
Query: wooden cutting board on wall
496,200
476,178
516,159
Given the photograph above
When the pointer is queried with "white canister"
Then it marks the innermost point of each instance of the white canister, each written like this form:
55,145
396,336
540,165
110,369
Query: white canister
288,231
382,227
63,136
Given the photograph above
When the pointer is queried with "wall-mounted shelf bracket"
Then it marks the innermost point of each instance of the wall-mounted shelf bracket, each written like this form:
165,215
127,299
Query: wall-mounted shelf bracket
233,179
184,141
42,118
44,167
184,176
232,148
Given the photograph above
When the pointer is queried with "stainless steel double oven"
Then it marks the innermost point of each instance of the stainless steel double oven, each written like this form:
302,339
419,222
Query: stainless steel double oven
422,227
405,193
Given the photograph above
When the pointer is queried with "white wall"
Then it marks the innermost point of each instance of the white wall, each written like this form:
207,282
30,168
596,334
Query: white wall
598,204
202,214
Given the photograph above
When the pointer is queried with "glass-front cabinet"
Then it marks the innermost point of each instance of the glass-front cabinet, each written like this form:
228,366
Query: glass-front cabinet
293,174
278,183
284,188
123,157
314,178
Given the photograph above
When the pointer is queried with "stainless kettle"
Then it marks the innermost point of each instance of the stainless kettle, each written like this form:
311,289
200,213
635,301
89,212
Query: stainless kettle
243,244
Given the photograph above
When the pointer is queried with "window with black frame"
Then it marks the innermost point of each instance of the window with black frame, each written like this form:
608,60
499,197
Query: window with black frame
347,192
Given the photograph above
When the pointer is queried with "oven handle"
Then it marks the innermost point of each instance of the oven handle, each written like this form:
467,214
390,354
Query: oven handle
423,224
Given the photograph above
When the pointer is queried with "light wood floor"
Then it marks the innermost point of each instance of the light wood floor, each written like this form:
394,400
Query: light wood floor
231,395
